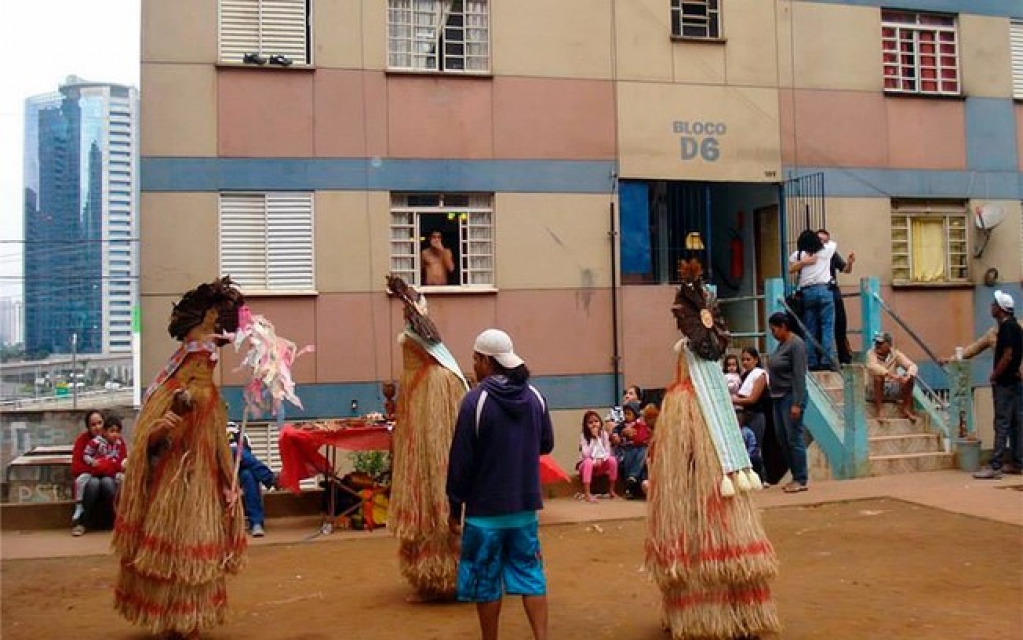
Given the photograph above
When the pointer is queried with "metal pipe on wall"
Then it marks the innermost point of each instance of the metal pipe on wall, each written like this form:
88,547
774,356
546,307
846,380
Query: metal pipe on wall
615,355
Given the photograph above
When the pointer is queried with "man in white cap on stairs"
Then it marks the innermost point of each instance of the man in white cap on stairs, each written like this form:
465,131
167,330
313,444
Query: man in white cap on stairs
1006,390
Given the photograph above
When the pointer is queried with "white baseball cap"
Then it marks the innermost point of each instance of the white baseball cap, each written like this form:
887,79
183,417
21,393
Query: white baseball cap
498,345
1005,301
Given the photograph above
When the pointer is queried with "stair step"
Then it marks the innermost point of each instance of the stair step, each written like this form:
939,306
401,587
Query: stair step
910,463
895,427
828,379
888,445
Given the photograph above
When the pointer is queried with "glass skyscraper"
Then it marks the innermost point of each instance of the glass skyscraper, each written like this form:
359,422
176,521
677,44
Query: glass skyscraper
80,225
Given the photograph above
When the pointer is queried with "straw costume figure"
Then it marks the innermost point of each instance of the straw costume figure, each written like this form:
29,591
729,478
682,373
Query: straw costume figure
180,529
429,394
705,545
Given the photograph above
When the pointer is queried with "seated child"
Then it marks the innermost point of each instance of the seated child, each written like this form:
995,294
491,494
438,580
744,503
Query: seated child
106,453
630,440
595,455
752,446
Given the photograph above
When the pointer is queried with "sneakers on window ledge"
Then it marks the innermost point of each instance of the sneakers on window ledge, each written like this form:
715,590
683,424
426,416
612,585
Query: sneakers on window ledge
257,531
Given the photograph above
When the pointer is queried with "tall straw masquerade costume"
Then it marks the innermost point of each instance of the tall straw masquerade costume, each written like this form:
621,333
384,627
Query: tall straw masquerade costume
176,534
705,545
429,395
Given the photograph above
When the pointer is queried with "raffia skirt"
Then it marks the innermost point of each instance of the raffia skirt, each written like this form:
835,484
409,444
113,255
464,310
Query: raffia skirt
429,396
708,553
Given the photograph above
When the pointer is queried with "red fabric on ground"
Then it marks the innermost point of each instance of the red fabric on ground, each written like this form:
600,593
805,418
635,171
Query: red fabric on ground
550,471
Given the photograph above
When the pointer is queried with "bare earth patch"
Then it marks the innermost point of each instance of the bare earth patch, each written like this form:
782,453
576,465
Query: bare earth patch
866,569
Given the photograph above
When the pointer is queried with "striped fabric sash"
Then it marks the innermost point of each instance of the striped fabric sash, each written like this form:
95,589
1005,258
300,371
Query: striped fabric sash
718,412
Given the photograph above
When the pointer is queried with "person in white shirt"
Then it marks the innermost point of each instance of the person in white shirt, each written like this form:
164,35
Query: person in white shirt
812,261
596,456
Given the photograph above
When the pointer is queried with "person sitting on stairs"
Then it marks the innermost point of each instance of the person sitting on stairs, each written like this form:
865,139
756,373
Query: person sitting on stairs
892,376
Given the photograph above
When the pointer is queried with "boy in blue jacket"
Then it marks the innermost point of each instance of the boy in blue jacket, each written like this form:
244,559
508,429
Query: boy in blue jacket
503,428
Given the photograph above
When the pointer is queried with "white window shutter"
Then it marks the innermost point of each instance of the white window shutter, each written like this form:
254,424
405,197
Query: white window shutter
239,29
1016,39
290,241
243,239
284,29
267,27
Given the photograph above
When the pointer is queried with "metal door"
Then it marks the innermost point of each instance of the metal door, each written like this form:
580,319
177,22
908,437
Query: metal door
804,208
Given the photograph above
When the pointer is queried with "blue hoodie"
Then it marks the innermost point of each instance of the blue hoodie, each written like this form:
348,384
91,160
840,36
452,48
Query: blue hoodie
494,468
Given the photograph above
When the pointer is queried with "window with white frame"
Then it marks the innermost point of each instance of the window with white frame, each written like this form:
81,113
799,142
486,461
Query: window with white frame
1016,42
929,242
264,31
443,239
438,35
696,19
920,53
266,240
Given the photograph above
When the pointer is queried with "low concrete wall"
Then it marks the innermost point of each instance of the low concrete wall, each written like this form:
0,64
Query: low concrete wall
57,515
22,430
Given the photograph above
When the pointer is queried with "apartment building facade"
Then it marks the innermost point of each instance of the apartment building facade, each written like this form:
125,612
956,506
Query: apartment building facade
568,153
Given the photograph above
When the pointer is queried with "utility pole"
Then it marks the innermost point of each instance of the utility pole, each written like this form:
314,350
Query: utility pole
74,370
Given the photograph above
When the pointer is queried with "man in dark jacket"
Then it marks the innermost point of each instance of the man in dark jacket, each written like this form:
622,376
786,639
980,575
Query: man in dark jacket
502,430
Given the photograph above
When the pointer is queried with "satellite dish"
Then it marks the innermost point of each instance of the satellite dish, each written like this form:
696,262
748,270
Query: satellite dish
989,216
986,218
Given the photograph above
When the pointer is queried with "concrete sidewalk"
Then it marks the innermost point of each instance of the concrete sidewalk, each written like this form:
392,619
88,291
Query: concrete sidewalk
955,491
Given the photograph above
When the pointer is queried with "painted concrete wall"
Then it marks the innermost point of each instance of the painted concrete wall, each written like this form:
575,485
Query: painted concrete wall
697,132
594,88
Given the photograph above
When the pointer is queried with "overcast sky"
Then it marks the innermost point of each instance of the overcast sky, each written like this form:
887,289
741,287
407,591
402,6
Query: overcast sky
46,41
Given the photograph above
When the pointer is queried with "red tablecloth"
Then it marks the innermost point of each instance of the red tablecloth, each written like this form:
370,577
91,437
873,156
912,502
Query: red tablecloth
300,449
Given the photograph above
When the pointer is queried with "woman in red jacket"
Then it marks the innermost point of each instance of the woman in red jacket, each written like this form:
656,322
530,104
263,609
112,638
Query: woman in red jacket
94,496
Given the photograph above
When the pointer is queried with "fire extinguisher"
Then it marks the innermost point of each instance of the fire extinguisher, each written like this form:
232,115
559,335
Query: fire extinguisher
738,263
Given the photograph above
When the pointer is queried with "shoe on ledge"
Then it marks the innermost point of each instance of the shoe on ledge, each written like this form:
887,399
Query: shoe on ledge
257,531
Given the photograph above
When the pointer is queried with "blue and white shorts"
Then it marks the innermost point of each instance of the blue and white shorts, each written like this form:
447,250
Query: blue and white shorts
495,561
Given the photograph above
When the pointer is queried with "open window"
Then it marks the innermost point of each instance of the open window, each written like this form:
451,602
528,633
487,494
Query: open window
443,239
451,36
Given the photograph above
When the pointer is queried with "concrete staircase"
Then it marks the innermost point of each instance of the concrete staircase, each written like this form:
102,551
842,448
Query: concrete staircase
896,445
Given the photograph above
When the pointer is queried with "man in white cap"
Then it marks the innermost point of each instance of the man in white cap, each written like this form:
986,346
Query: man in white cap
494,475
1006,390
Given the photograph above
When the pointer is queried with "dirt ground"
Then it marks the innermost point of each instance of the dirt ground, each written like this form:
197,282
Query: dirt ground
866,569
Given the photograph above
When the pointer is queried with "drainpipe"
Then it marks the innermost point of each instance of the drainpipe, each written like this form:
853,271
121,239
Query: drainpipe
615,355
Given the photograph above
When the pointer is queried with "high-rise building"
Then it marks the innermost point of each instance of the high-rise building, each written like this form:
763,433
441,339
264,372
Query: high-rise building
80,227
10,321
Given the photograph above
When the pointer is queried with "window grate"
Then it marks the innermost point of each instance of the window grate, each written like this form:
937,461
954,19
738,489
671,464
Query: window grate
696,19
920,53
930,243
1016,43
439,35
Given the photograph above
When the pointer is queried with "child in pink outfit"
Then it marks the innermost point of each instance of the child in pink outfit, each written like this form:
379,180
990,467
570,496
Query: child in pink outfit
595,454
